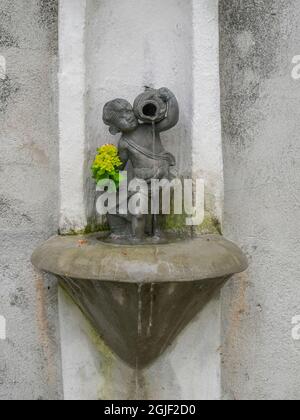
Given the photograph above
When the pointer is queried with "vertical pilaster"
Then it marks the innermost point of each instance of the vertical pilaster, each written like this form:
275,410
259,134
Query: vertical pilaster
72,114
206,126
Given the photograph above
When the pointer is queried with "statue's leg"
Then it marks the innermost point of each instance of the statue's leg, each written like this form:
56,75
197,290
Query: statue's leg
138,226
156,228
119,226
156,232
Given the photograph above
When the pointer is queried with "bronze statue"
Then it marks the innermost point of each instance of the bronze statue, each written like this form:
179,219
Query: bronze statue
154,111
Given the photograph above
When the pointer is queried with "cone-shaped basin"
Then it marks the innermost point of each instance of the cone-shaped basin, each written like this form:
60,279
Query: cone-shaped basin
139,298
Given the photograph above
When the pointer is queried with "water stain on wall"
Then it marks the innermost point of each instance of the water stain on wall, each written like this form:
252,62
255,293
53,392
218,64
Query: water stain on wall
251,34
47,345
7,39
262,22
19,299
11,212
48,12
36,152
48,18
8,88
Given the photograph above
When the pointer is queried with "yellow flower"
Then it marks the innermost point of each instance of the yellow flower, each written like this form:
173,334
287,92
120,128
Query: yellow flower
107,163
109,149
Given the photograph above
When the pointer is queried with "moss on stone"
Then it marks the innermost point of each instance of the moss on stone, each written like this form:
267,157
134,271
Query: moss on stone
89,229
94,228
210,226
177,223
107,363
174,223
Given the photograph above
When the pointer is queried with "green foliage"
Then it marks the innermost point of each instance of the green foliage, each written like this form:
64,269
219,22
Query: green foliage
107,164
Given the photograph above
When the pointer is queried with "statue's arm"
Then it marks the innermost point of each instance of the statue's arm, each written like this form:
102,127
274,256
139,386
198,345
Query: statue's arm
123,153
173,110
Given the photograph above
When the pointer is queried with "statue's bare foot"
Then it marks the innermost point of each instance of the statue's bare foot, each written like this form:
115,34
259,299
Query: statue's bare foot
136,240
157,236
115,237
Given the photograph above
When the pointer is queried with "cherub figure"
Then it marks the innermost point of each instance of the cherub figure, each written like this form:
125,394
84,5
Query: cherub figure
140,142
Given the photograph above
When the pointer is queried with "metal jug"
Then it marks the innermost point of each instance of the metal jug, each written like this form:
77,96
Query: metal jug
149,107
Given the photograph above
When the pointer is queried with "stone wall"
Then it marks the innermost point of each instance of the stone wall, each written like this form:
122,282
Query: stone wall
30,356
41,147
261,125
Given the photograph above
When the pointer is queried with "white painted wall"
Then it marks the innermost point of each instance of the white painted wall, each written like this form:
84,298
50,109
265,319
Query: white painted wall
206,124
90,370
188,370
101,58
132,44
72,114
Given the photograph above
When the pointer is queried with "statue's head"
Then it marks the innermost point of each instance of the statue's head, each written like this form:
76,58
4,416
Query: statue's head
120,117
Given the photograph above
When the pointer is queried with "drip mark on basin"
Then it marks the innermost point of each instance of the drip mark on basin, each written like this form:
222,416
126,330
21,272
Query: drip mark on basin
151,310
140,308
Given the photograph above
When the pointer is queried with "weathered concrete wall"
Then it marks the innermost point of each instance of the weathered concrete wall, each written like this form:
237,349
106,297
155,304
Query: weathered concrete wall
261,125
260,104
29,357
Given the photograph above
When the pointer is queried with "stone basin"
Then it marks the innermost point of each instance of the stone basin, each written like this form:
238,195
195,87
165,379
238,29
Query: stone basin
140,297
